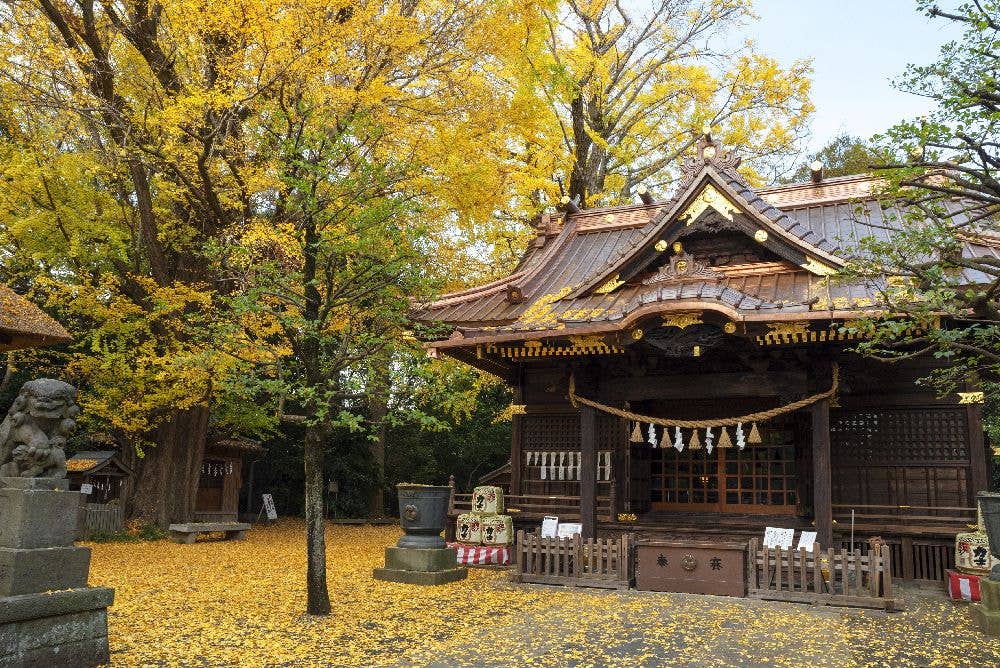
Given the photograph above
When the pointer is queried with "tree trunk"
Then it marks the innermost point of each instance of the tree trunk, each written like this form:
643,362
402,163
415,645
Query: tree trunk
317,597
168,474
378,408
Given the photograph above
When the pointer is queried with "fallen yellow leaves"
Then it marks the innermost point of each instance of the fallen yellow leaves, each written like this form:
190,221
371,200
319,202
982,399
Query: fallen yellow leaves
226,603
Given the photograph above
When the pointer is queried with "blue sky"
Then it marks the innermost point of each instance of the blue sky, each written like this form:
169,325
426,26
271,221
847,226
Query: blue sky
856,47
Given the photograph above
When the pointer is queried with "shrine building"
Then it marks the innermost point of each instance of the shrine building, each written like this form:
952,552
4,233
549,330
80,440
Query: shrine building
684,368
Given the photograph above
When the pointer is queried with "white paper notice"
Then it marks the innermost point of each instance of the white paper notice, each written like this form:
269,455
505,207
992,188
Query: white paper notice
778,537
806,540
86,489
550,525
569,529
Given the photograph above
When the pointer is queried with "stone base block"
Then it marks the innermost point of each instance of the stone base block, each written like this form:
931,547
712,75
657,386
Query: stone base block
411,559
32,518
421,577
988,620
62,629
43,569
987,613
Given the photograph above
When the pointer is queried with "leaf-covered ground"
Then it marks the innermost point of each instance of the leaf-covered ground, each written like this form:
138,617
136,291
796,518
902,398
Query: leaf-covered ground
225,603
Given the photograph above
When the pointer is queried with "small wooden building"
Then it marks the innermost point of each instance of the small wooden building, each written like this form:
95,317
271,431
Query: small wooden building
104,471
717,304
102,509
221,479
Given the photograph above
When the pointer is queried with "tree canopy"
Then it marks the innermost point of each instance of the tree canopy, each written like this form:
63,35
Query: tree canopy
942,193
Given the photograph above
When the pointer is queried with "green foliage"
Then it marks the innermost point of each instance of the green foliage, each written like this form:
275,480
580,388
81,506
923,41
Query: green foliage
842,156
941,199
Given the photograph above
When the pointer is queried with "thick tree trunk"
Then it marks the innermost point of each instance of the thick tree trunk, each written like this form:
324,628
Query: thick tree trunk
317,597
168,474
378,408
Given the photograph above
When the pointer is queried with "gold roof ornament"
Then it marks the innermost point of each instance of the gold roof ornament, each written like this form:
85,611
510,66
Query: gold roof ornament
610,286
710,198
637,334
661,245
971,397
682,319
760,236
729,327
814,266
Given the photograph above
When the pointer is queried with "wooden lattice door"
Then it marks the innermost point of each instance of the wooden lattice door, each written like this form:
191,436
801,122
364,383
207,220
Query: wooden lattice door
759,479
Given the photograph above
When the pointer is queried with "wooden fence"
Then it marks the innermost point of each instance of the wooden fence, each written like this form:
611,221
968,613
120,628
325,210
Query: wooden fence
604,562
842,577
100,518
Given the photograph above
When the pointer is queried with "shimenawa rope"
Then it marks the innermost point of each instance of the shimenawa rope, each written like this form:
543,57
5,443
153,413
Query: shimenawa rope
576,400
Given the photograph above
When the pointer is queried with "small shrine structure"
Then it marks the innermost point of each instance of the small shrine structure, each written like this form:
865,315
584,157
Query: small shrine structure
683,367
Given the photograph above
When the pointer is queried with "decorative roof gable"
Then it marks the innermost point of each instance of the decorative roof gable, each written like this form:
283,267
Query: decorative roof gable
713,195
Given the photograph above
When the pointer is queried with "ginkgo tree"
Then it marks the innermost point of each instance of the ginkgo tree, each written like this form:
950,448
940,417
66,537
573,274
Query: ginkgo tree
629,87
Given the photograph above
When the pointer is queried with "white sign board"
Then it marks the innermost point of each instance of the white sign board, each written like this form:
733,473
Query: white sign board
550,524
806,540
569,529
86,489
272,514
778,537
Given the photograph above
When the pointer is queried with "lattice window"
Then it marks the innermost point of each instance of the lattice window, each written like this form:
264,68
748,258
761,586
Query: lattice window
899,436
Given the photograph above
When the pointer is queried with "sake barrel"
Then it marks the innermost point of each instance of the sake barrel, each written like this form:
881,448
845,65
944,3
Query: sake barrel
497,530
487,500
469,529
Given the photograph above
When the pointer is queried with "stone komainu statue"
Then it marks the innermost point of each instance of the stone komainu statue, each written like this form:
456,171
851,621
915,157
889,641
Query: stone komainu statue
36,428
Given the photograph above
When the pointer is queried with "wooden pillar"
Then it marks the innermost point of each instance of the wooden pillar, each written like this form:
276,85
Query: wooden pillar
516,458
822,477
978,474
588,472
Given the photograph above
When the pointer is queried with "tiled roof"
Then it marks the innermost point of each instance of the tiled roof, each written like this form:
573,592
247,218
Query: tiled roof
25,324
560,277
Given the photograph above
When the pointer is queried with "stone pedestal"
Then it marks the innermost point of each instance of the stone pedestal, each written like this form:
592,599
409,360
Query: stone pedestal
48,615
987,613
422,567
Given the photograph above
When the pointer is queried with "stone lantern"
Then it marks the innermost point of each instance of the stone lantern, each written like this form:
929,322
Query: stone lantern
987,613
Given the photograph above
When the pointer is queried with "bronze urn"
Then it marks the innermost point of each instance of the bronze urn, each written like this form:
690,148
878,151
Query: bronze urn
423,513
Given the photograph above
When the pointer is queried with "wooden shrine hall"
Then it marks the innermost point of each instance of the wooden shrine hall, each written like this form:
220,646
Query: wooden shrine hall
683,367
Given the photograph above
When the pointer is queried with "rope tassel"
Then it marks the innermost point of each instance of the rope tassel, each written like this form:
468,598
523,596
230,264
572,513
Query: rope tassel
724,441
637,434
695,443
754,436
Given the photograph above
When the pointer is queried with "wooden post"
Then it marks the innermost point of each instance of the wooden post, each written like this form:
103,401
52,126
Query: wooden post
822,479
588,472
978,475
516,456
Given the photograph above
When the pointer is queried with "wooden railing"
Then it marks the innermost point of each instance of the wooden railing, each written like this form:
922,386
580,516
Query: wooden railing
823,577
602,562
536,506
100,518
924,514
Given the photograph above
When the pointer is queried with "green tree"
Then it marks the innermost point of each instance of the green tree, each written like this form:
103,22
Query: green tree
844,155
944,185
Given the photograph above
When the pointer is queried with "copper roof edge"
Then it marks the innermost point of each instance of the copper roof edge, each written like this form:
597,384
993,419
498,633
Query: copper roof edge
617,325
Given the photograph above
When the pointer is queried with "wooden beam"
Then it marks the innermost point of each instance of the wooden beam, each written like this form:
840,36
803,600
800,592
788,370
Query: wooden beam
978,474
588,472
822,478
